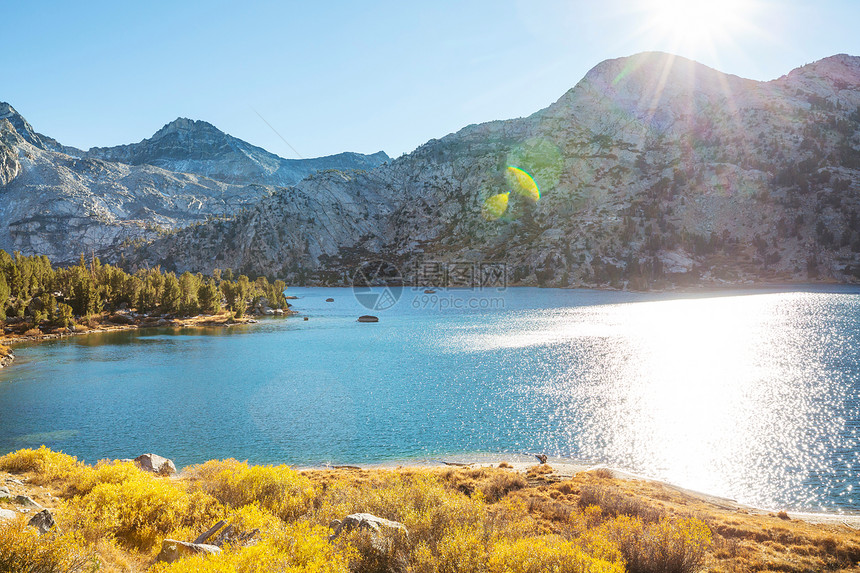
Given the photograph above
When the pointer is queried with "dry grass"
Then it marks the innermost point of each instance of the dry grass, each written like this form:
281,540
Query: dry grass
467,520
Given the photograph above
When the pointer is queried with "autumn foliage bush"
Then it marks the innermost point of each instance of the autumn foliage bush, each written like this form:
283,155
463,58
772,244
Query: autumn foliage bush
23,550
279,490
459,521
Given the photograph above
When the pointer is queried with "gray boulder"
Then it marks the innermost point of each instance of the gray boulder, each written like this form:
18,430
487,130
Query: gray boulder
4,492
155,464
43,521
387,540
7,514
369,522
173,550
27,502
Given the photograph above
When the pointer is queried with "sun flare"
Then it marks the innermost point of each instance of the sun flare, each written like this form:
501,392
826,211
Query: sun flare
699,23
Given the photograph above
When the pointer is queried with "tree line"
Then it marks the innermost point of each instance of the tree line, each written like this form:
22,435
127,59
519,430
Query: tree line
32,289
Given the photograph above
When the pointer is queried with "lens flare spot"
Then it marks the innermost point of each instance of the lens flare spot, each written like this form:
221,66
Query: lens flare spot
523,183
495,206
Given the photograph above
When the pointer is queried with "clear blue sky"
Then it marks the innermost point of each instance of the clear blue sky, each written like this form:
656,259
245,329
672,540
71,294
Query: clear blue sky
363,76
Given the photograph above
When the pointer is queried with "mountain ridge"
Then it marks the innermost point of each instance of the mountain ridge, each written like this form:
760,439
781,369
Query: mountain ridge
60,201
654,170
197,146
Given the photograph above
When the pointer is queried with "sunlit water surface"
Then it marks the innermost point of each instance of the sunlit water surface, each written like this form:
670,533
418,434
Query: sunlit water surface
751,395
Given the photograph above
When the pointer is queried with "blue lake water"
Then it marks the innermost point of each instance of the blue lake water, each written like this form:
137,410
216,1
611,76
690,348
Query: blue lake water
749,394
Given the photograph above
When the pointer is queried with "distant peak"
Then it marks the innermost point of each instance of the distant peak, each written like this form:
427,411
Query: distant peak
183,124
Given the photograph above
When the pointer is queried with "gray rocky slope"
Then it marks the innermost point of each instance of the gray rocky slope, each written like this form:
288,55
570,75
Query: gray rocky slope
654,171
60,201
189,146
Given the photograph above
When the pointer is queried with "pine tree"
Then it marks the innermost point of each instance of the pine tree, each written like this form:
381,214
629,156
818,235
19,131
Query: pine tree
5,291
171,294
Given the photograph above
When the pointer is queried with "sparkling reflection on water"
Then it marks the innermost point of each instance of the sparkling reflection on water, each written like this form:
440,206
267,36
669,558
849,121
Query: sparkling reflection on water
751,395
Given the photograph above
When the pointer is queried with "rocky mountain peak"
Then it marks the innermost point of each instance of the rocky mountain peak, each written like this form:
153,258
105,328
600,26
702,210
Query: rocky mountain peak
24,129
185,126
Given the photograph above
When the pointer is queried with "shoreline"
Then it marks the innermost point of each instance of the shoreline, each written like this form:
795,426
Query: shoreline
566,469
199,321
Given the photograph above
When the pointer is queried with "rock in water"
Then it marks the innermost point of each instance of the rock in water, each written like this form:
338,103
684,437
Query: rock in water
155,464
43,521
173,550
368,318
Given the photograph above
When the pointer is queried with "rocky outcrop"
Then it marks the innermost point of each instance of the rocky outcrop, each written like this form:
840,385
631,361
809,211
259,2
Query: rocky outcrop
6,358
155,464
652,171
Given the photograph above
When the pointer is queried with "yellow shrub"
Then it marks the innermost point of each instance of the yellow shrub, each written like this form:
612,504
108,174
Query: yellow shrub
549,554
297,548
23,549
141,510
461,550
251,517
106,471
278,489
668,546
421,502
45,463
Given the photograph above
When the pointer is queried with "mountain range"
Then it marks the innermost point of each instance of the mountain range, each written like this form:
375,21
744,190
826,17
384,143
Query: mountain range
61,201
652,171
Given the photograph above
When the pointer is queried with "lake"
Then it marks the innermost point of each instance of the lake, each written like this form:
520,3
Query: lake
751,395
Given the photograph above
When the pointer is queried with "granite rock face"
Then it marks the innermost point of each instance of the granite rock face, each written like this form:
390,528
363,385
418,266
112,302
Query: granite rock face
60,201
653,171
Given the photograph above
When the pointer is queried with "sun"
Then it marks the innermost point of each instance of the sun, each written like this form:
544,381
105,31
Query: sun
698,24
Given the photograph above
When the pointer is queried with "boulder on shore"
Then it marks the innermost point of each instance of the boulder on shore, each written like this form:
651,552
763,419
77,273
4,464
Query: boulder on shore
173,550
155,464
